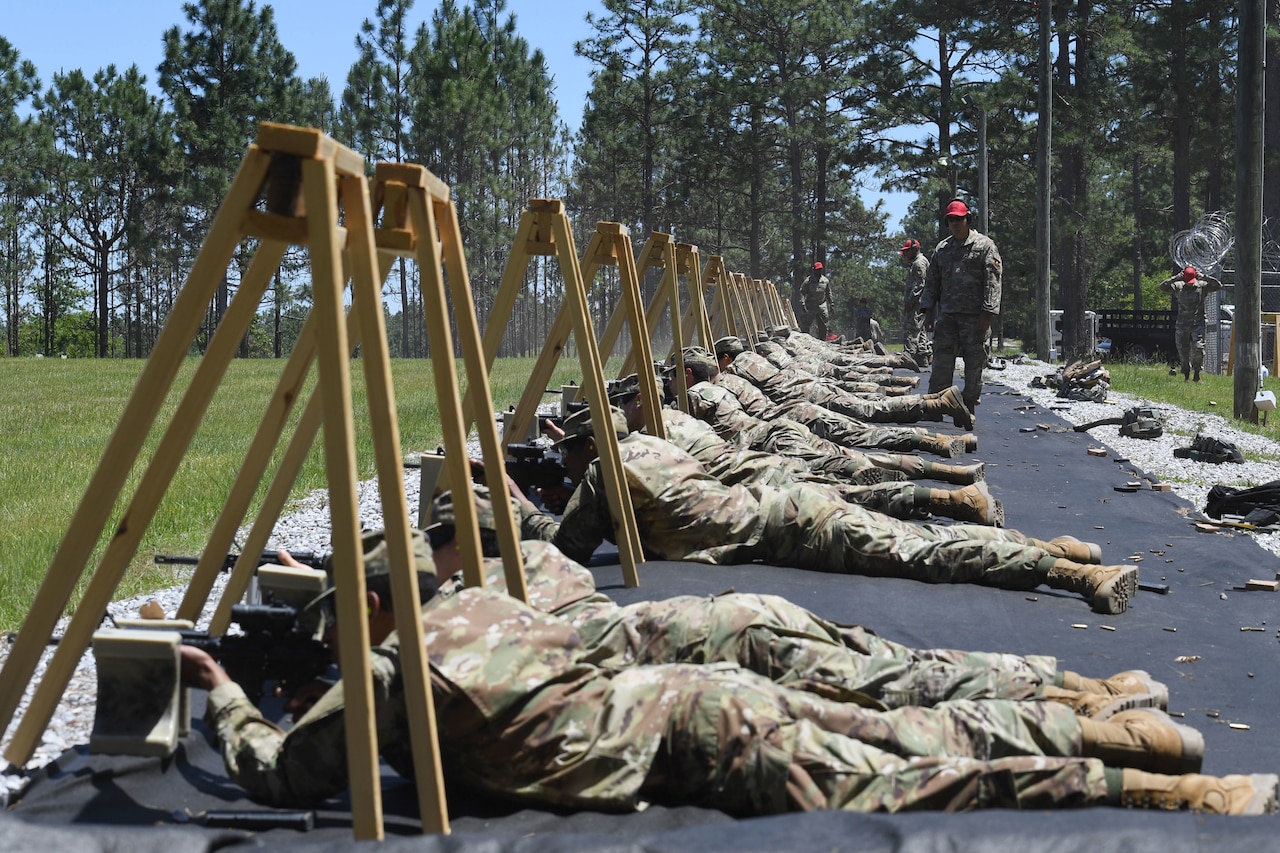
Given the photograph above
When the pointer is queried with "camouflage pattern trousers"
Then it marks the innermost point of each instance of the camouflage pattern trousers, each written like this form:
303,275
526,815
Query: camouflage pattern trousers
738,742
1190,342
958,335
852,433
804,528
915,340
782,641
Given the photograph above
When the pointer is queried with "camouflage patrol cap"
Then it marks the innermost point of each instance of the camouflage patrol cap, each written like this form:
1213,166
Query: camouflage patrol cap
701,362
621,389
730,345
443,520
377,560
442,514
579,425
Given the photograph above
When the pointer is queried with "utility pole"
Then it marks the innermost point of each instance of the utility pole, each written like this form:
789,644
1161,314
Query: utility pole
1249,115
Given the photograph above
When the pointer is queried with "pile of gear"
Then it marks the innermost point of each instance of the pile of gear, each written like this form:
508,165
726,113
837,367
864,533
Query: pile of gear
1087,381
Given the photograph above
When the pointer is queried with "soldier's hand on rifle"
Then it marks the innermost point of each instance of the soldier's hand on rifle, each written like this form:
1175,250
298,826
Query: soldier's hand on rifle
200,670
550,430
286,559
554,499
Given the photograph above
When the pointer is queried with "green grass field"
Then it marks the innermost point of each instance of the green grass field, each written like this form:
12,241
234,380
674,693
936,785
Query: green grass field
57,417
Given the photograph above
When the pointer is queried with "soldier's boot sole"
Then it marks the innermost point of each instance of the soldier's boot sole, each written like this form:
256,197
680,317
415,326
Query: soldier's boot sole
1108,588
1103,698
1252,794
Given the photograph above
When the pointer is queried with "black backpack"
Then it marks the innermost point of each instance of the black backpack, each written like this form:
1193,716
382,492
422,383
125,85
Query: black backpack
1206,448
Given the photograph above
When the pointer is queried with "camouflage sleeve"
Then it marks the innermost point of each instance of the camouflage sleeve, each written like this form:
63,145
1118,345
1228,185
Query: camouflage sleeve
994,274
302,768
586,521
932,284
536,524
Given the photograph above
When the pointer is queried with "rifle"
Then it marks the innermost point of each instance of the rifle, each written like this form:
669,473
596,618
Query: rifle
274,646
307,558
533,466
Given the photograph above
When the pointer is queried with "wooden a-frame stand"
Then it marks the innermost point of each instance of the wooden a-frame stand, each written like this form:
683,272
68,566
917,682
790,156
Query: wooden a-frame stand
306,178
545,231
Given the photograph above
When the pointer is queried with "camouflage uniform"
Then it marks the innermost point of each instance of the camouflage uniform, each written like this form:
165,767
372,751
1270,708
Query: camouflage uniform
823,422
1189,327
915,340
683,513
790,385
766,634
524,715
742,466
815,301
963,283
716,406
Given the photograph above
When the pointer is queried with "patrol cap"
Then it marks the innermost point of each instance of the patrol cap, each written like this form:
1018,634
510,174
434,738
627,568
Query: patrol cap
621,390
377,560
444,520
579,425
730,345
697,359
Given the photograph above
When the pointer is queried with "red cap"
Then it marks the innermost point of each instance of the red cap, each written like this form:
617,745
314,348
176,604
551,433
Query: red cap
957,208
817,265
1189,274
909,245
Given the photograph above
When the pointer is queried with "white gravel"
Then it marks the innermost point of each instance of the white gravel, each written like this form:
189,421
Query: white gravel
307,528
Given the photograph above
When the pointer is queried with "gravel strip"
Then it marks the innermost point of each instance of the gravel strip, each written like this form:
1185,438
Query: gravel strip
307,528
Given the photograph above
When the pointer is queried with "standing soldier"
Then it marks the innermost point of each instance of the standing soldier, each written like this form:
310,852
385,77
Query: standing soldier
815,301
1190,294
961,297
915,341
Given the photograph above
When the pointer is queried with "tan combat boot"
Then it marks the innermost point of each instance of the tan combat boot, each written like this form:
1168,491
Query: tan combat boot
1069,548
1108,588
972,504
907,361
948,403
1097,706
946,446
958,475
970,442
1123,691
1232,795
1145,738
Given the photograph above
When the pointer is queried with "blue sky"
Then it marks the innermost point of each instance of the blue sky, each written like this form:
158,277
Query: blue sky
91,34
